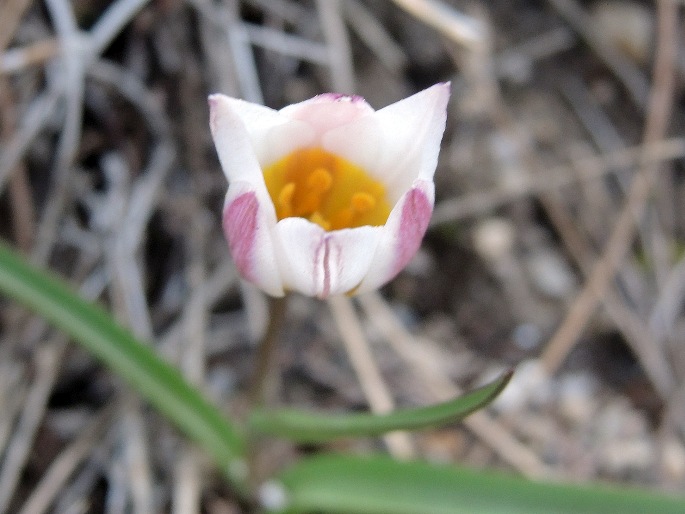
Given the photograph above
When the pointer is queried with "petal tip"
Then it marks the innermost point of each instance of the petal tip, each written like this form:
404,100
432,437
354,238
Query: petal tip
443,90
440,93
339,97
215,102
214,99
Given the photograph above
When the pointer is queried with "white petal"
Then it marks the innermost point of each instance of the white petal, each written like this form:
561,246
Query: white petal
284,139
360,142
248,222
343,125
319,263
401,235
232,141
413,128
406,144
238,125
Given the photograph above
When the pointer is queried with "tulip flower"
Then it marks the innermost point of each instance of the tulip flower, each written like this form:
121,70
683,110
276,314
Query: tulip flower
327,196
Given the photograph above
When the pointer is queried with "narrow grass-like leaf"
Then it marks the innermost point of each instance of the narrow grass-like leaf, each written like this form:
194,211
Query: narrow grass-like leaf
378,485
157,381
304,426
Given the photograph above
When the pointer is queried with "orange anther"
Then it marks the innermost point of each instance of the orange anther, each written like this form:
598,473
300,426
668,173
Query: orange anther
320,180
320,220
362,202
326,189
285,200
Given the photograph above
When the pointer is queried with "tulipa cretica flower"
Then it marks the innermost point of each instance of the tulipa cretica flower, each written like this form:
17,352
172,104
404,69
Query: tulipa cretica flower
327,196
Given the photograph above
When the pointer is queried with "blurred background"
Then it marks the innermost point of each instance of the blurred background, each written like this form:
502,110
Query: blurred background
557,244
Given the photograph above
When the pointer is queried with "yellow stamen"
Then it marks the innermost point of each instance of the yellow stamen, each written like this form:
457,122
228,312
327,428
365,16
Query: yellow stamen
326,189
319,220
285,200
362,202
320,180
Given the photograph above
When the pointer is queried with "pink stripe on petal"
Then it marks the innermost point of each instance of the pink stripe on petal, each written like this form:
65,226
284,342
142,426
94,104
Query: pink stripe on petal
416,214
322,269
240,228
327,266
323,264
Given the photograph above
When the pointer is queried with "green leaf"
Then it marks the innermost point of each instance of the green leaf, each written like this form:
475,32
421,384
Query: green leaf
160,383
316,427
380,485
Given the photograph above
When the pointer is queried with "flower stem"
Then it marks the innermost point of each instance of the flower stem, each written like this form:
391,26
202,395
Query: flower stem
265,377
264,384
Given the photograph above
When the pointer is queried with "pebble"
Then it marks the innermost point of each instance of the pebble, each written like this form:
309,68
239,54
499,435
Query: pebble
577,397
627,25
493,238
529,385
623,439
550,274
527,336
673,459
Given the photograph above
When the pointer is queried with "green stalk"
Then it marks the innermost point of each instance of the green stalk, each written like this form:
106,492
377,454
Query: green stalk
156,380
379,485
306,427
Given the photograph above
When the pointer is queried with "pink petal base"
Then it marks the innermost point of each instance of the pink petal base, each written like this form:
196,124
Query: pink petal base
416,214
402,235
240,228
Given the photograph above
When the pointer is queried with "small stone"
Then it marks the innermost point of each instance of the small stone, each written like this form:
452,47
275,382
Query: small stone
627,455
577,394
272,496
550,274
527,336
528,386
627,25
673,459
493,238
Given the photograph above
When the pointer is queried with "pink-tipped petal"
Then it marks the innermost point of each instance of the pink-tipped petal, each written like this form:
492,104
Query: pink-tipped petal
319,263
328,111
247,222
416,213
402,235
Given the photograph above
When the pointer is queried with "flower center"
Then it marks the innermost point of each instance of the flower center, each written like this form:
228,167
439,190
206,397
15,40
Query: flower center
326,189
